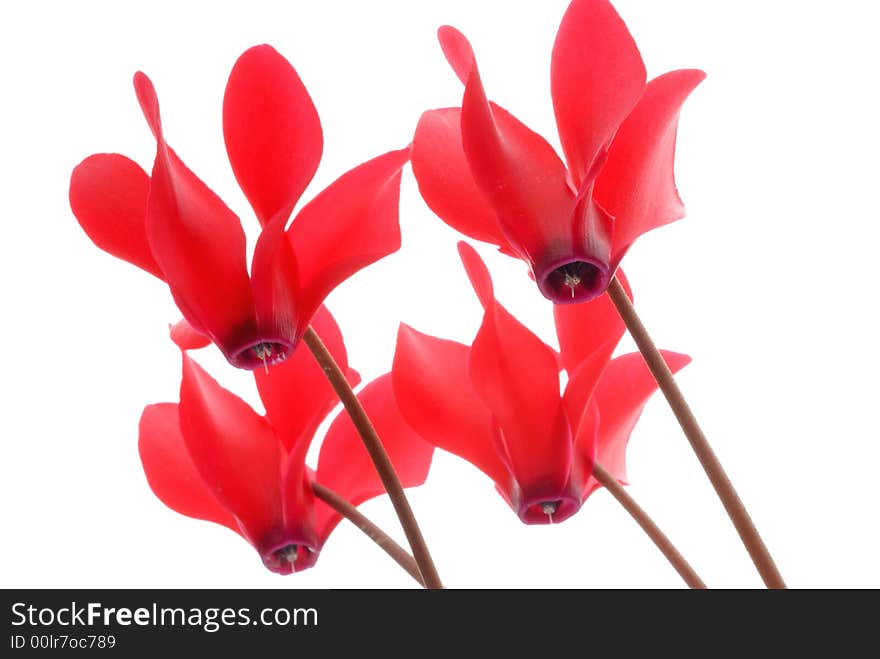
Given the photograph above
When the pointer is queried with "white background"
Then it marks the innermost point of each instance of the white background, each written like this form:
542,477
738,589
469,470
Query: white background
769,283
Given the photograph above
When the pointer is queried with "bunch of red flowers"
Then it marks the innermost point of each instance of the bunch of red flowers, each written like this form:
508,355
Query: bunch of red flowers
497,402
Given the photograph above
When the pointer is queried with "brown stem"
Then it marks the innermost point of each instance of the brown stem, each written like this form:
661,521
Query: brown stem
649,527
372,531
748,533
379,457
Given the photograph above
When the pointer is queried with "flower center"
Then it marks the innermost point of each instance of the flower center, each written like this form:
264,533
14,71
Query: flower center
575,281
286,556
549,511
263,353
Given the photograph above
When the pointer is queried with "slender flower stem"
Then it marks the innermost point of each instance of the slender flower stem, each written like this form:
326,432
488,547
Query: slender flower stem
379,457
372,531
748,533
691,578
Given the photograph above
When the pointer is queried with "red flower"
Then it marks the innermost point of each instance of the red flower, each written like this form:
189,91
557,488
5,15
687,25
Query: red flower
212,457
489,176
497,403
173,226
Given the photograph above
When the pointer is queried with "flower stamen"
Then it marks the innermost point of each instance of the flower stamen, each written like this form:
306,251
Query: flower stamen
549,508
289,553
263,351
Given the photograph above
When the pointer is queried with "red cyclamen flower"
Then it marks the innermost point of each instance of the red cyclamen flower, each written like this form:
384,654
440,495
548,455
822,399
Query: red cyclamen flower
497,403
212,457
489,176
174,227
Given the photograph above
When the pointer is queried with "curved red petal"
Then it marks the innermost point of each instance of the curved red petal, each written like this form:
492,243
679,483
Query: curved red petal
348,226
108,195
434,391
582,383
344,464
623,391
637,182
300,521
596,78
272,132
236,453
296,393
478,274
169,468
457,51
275,285
587,328
517,171
515,374
197,242
445,181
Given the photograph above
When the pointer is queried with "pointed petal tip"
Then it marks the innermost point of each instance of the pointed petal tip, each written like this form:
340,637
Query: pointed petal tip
675,360
457,50
149,102
478,274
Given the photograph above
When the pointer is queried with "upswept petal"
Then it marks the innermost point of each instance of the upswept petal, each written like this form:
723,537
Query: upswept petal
435,395
275,285
108,195
272,131
637,182
596,78
344,464
349,225
296,393
299,510
582,384
625,388
197,241
516,376
518,172
444,177
169,468
589,327
236,454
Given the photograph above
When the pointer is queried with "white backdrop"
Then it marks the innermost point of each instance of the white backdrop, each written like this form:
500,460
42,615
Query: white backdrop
769,283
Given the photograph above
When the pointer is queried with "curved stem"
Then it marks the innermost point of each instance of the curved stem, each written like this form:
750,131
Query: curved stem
691,578
372,531
379,457
748,533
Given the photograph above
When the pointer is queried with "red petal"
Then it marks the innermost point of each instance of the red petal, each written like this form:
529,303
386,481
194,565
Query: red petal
108,196
596,77
236,453
436,397
516,169
478,274
300,519
625,388
516,376
170,470
582,383
344,464
296,393
445,180
587,328
349,225
637,183
197,242
274,280
187,338
272,131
